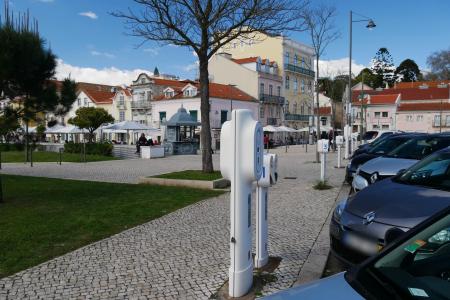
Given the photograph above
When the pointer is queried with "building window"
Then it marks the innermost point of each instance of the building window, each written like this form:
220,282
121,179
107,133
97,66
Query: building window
384,114
278,91
270,89
295,84
194,114
437,120
295,60
295,108
223,116
303,86
302,109
376,126
162,115
303,62
309,86
286,58
122,116
261,88
377,114
419,118
79,102
85,102
287,82
409,118
384,126
447,121
323,120
121,100
261,112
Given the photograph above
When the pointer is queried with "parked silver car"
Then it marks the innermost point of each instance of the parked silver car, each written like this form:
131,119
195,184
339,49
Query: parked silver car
415,265
398,159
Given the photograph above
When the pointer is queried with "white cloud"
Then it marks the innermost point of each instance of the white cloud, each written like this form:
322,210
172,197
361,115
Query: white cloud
105,54
191,67
194,54
111,76
334,67
152,51
88,14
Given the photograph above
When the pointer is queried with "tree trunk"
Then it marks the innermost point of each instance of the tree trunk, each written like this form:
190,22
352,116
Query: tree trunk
205,136
317,104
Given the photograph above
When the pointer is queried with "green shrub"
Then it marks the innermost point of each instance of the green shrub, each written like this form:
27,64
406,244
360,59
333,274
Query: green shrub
12,147
91,148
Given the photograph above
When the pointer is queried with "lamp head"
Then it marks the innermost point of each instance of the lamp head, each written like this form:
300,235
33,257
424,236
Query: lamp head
371,24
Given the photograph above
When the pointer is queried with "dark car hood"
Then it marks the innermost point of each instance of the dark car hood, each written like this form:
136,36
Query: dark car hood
362,158
398,204
362,149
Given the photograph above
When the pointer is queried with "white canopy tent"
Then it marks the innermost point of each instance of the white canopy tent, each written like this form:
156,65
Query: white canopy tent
126,126
270,128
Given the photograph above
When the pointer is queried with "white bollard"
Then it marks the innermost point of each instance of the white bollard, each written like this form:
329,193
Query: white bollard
269,177
339,142
241,162
322,147
347,143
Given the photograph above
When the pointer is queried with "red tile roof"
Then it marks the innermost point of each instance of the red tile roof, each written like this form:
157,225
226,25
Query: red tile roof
216,90
410,94
99,97
436,106
324,111
245,60
403,85
171,83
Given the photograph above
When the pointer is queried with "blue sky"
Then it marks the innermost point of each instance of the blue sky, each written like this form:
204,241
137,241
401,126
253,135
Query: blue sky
87,39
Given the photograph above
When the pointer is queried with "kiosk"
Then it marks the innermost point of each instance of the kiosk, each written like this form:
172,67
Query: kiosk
180,134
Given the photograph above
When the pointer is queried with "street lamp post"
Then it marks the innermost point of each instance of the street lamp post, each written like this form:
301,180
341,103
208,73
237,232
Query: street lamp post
370,25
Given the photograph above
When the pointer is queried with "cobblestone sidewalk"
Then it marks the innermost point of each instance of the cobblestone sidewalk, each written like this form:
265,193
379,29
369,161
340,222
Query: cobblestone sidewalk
184,255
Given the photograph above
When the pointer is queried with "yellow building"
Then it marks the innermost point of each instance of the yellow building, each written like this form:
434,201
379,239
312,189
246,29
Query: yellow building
295,66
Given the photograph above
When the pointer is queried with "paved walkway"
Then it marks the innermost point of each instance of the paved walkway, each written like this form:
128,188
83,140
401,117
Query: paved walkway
183,255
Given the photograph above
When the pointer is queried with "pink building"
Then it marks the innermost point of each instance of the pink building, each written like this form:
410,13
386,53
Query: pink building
379,112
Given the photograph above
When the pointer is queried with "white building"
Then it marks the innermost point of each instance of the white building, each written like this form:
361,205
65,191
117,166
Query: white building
223,99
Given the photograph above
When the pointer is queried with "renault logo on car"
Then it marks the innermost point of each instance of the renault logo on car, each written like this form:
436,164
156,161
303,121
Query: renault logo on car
369,217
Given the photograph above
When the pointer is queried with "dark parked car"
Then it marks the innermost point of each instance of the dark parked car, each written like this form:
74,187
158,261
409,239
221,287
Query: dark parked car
415,265
400,158
359,223
384,146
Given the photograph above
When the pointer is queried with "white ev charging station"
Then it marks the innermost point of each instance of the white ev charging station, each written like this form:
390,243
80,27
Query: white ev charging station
322,146
339,143
241,162
347,138
269,177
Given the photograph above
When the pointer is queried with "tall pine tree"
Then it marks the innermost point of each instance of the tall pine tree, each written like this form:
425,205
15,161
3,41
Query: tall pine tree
408,71
383,67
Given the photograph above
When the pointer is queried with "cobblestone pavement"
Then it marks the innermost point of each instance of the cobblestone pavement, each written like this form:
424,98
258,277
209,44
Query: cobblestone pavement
184,255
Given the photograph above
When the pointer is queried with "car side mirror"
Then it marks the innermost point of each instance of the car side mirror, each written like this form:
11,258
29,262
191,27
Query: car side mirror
401,172
392,234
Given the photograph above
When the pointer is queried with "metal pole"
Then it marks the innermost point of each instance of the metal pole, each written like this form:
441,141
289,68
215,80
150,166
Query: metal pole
84,152
349,100
31,156
60,156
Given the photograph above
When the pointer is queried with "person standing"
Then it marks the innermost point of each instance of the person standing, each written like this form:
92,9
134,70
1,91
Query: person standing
141,142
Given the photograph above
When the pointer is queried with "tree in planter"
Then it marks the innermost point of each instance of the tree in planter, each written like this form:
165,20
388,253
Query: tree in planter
408,71
205,26
91,118
319,21
27,69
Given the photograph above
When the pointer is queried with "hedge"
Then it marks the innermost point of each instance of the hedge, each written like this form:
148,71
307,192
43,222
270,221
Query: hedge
91,148
12,147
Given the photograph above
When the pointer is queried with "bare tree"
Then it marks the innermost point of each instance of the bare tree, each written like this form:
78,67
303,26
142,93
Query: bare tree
205,26
439,62
319,21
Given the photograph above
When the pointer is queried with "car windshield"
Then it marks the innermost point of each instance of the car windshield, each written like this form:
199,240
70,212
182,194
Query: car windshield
419,267
420,147
387,144
370,135
433,172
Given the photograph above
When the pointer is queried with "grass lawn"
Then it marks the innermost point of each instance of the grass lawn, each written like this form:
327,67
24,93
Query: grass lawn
44,156
42,218
192,175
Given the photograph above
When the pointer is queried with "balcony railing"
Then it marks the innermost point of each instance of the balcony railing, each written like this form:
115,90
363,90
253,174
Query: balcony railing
141,104
300,70
121,105
271,99
272,121
296,117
